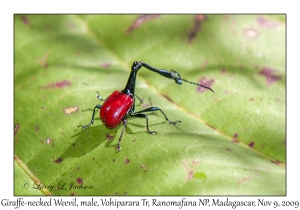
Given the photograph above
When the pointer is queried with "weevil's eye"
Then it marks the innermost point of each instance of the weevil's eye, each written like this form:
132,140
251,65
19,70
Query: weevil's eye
178,81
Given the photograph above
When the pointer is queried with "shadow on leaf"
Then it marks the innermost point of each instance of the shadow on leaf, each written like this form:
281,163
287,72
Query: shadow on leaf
87,140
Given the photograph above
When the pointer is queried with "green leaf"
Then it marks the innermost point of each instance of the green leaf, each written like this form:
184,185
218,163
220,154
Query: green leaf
229,143
24,185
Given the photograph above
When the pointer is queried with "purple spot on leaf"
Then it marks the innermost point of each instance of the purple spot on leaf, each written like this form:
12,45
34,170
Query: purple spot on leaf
269,74
266,23
204,64
205,82
251,144
64,83
144,106
235,136
223,70
59,160
225,18
25,20
108,136
59,84
105,65
79,181
196,28
190,175
276,162
244,180
141,20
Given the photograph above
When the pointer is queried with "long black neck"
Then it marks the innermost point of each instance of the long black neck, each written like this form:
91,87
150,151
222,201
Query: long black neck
130,86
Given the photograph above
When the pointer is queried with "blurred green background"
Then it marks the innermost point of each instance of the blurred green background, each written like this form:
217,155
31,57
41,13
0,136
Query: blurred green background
232,142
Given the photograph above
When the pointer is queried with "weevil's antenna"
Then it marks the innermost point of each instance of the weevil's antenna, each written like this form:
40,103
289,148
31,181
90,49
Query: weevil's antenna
199,85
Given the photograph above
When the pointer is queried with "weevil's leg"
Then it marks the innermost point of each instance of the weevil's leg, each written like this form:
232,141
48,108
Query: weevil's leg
98,106
141,100
144,116
120,138
99,97
152,109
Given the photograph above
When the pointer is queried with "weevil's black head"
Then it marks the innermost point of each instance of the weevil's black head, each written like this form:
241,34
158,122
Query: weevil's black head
178,81
136,66
176,77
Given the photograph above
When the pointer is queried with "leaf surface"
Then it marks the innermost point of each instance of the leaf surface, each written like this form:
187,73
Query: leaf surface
232,142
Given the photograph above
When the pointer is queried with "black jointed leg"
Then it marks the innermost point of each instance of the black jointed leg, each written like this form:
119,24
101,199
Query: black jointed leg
98,106
99,97
147,124
120,138
152,109
141,100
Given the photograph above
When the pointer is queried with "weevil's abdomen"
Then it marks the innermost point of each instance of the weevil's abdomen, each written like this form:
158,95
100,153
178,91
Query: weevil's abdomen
115,108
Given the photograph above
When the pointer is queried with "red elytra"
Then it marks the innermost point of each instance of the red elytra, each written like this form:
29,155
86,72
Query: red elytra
115,108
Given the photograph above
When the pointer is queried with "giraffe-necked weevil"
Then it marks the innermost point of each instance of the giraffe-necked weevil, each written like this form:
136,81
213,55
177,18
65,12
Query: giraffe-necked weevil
120,105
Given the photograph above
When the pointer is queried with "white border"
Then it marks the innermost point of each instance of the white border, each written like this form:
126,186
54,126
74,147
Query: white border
8,8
